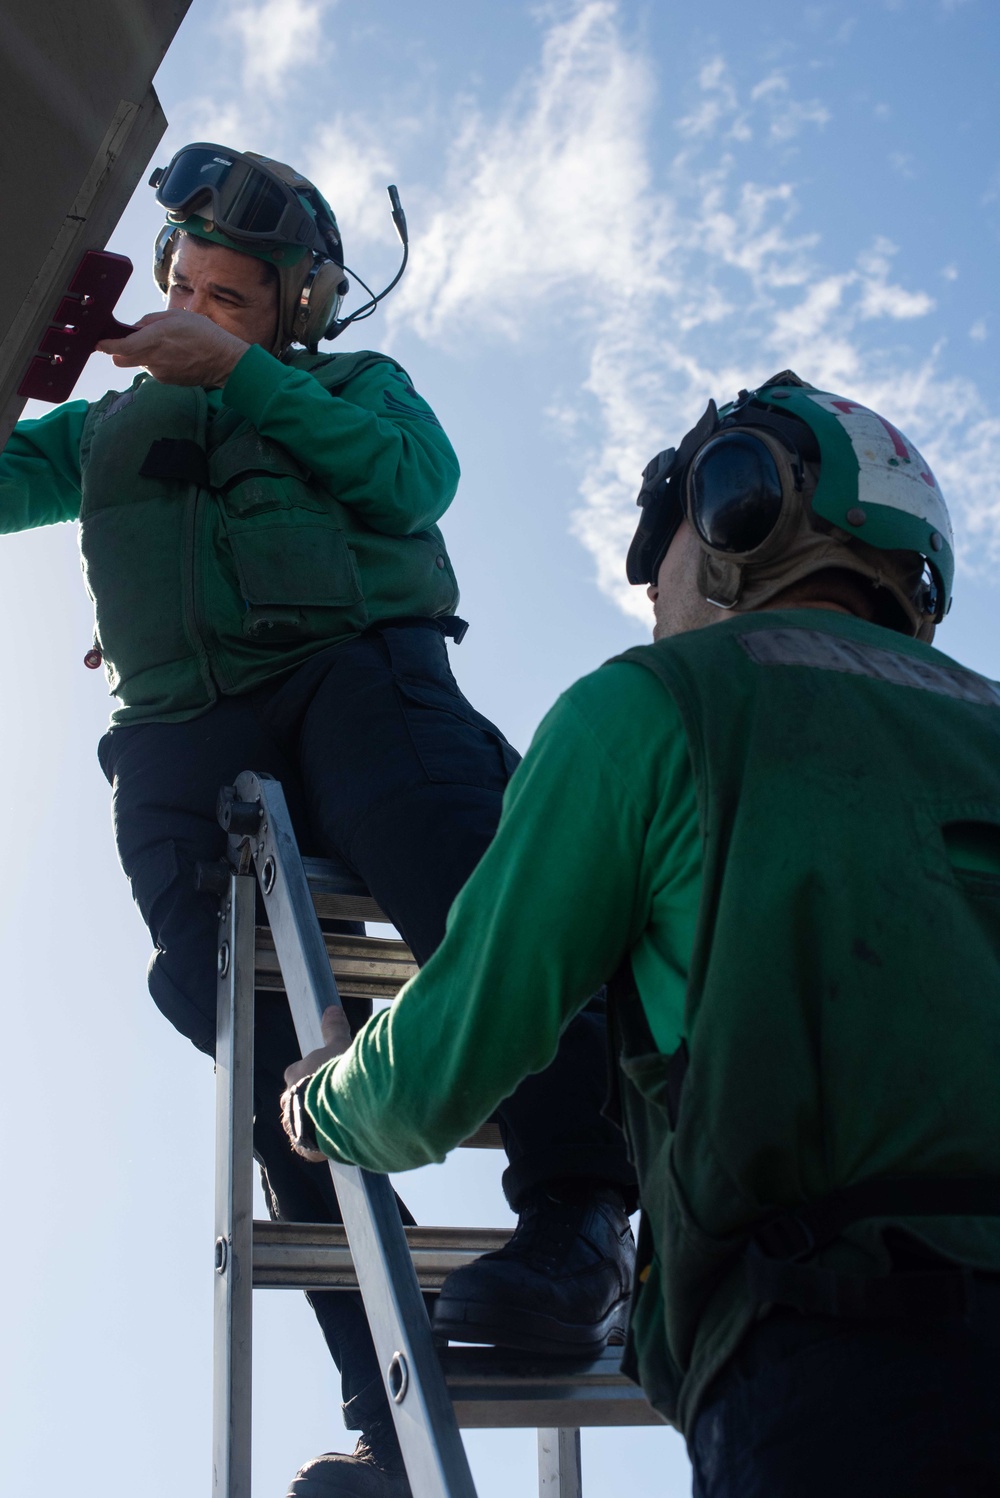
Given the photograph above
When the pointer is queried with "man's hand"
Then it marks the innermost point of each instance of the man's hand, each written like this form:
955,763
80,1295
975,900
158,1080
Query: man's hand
337,1034
178,348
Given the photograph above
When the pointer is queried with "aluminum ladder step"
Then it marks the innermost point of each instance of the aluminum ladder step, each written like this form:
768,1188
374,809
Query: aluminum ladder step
490,1387
315,1256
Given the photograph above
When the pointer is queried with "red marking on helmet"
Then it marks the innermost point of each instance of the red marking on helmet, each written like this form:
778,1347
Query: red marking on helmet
898,440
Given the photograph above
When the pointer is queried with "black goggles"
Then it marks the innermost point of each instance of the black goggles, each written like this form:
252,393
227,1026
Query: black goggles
246,200
725,479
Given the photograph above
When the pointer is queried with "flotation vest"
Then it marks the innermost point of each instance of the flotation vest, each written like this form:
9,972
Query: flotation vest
216,560
842,1022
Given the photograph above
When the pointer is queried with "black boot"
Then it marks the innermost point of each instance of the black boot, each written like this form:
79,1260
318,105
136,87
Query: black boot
374,1469
561,1285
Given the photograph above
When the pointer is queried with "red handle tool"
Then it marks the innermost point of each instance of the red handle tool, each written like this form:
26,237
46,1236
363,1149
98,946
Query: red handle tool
84,316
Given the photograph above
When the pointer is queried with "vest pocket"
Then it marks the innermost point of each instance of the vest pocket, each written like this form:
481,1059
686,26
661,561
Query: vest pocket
306,563
254,476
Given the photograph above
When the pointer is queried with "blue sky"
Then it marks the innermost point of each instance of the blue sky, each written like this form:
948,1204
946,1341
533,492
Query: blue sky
616,211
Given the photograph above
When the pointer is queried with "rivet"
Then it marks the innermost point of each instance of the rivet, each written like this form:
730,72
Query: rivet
855,516
221,1255
223,961
937,540
268,876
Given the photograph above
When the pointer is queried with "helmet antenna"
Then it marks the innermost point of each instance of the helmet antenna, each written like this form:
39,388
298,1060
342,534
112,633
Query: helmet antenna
399,219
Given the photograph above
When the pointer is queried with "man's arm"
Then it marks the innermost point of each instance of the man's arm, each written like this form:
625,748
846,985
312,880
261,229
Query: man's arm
564,890
378,447
40,470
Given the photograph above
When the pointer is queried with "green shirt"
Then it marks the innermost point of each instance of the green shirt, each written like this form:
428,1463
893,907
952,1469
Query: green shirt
227,536
597,852
792,826
374,451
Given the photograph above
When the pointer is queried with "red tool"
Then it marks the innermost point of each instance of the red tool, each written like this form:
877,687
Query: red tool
84,316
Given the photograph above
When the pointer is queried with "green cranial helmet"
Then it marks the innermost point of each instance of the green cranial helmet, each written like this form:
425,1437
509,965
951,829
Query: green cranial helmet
788,480
259,207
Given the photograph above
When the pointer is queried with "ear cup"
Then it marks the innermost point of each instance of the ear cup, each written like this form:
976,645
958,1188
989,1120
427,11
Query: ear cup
163,251
319,302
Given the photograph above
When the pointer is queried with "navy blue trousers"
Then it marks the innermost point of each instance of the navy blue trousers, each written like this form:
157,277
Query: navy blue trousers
386,766
816,1407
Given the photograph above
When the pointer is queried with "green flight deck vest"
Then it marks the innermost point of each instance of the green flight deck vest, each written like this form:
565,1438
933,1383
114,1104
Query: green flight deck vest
842,1018
216,561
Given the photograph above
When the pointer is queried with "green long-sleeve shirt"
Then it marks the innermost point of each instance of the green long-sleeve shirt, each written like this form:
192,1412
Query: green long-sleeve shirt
229,535
597,852
381,451
791,821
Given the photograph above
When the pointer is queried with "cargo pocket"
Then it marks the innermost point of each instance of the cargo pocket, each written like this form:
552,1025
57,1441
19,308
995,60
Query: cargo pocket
297,576
455,744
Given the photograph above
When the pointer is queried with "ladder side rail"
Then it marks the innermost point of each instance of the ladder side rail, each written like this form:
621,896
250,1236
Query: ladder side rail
233,1302
560,1470
425,1422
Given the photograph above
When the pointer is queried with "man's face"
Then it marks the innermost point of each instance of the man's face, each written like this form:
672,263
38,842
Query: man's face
231,289
677,603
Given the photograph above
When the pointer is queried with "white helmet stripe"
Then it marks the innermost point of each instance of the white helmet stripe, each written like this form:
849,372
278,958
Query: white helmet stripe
884,457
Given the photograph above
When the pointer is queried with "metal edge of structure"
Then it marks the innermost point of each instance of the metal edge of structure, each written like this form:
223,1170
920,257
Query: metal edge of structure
93,208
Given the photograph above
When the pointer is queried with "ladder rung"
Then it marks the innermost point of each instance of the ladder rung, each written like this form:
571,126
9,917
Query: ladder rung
369,967
338,893
492,1387
315,1256
489,1386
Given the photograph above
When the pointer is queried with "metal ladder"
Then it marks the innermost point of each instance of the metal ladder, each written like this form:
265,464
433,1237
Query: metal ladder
432,1391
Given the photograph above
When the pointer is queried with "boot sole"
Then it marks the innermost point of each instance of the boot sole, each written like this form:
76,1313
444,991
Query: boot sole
528,1331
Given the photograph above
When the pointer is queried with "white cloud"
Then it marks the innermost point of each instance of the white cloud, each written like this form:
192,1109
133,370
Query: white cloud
278,36
551,198
880,298
978,330
352,168
264,51
789,114
715,282
667,279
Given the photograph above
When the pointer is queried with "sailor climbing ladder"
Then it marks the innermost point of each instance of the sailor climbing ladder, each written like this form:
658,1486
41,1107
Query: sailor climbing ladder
431,1390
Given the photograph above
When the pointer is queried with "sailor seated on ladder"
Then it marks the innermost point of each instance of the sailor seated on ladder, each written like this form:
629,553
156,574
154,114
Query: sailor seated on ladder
257,523
790,852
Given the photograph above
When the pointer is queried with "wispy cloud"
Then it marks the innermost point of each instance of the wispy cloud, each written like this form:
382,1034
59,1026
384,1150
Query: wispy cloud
263,51
659,260
551,197
351,166
278,36
679,285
